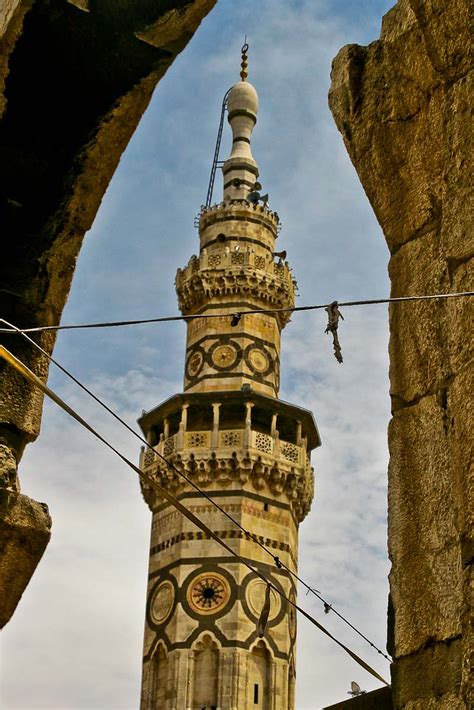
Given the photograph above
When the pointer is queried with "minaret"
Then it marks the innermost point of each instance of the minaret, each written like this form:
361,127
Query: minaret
248,450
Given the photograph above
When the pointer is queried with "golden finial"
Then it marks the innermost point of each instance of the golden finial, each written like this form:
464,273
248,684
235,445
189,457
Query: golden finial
244,63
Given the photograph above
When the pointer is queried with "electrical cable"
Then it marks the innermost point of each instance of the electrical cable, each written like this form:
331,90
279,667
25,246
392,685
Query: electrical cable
31,377
199,490
238,314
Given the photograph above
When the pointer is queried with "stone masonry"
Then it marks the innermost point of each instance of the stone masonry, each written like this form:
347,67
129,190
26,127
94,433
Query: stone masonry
404,107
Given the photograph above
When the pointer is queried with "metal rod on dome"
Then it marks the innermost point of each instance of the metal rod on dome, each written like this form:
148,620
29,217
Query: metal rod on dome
215,161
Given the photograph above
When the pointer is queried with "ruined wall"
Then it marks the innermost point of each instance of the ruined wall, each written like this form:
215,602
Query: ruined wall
403,105
75,79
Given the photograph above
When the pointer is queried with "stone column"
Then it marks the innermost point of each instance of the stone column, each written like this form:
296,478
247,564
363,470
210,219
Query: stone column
182,427
298,433
190,681
248,424
215,425
274,425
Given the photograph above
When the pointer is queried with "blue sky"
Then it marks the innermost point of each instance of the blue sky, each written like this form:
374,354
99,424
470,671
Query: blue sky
75,641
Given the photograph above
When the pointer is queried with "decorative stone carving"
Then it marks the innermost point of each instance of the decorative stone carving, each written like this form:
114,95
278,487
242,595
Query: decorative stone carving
208,593
279,476
230,438
264,442
197,285
197,439
290,451
162,602
240,208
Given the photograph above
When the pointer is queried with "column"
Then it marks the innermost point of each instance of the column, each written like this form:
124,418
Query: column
182,427
298,433
215,425
248,424
274,425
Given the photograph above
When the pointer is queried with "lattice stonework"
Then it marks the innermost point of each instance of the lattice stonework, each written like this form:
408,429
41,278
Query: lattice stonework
263,442
169,446
237,258
197,439
214,260
259,262
230,438
149,457
290,451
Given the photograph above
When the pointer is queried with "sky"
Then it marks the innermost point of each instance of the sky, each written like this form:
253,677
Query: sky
75,641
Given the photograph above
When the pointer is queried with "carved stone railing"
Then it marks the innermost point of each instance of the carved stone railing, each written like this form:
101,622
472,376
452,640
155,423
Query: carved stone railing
253,457
208,214
199,283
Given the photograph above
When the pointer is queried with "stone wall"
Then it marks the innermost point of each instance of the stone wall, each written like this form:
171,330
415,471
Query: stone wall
75,79
380,699
403,105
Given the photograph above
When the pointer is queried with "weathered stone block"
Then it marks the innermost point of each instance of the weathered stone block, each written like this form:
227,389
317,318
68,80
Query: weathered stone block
426,676
25,529
426,575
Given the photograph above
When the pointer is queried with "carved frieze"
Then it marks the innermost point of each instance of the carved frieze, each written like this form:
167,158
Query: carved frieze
217,275
267,472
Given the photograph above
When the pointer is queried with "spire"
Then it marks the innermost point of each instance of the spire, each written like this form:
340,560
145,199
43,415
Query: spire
244,62
240,169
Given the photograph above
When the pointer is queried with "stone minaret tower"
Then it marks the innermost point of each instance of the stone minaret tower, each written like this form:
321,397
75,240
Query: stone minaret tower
247,449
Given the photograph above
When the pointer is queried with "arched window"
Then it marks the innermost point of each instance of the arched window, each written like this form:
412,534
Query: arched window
159,677
258,678
206,669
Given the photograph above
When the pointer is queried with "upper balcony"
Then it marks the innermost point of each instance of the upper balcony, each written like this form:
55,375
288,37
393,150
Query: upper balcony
232,440
222,272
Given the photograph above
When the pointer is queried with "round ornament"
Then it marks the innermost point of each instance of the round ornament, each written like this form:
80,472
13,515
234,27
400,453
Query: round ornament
292,617
162,602
224,356
194,364
208,593
255,596
258,360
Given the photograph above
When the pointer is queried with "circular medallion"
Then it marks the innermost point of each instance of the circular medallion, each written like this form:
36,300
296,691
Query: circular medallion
208,593
292,617
258,360
224,356
162,602
194,363
255,596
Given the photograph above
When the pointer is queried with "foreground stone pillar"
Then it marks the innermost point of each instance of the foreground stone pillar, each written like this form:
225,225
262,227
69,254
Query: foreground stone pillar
403,107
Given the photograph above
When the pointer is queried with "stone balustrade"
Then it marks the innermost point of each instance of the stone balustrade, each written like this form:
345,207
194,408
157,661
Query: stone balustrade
208,457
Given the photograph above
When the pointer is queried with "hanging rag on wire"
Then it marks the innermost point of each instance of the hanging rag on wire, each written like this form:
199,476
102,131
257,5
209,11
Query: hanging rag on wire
333,321
262,622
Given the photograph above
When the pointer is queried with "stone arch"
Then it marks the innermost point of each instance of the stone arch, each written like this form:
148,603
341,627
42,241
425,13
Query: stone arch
206,673
258,676
158,678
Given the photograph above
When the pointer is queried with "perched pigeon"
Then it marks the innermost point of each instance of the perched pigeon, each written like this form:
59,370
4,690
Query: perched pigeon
355,689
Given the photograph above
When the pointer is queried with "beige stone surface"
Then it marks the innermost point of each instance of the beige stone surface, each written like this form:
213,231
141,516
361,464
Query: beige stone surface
25,529
404,108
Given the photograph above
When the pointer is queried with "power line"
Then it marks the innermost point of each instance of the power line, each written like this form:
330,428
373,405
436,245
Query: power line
31,377
275,558
238,314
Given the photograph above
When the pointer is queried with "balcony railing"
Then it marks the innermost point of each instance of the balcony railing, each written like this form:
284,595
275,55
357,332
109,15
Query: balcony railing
230,439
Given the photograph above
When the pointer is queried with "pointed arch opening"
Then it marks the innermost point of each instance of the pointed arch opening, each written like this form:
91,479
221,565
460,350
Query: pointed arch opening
159,678
206,672
258,677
